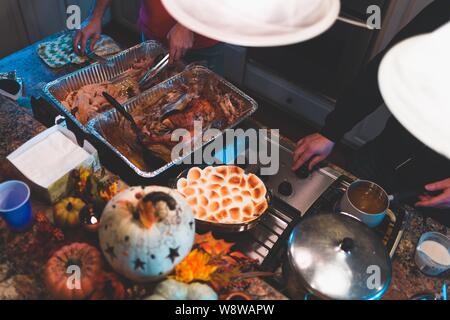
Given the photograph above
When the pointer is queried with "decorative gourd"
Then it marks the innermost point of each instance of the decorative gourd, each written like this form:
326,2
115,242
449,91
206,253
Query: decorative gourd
200,291
61,276
145,231
174,290
66,212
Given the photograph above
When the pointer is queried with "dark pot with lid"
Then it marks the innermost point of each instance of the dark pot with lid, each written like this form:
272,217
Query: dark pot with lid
336,256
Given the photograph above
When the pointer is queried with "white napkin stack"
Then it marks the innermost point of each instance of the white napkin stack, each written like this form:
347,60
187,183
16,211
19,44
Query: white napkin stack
45,161
50,159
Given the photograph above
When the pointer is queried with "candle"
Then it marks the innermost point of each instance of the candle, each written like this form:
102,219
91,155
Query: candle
90,218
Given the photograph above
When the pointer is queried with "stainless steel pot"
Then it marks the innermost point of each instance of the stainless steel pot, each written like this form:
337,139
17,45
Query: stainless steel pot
335,256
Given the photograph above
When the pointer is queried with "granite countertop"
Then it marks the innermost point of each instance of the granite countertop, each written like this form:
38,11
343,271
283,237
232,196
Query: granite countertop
35,73
16,126
407,279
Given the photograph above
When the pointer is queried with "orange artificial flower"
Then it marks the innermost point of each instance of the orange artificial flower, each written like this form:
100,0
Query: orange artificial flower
84,175
110,192
194,267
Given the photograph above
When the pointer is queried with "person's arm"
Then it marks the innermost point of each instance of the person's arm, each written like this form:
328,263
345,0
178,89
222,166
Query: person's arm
440,201
363,96
360,99
92,27
181,39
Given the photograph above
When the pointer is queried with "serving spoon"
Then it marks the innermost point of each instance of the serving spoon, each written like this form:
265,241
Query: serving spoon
91,55
125,84
150,159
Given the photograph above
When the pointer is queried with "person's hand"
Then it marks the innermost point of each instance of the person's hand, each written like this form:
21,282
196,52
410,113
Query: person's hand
441,201
92,30
181,40
314,147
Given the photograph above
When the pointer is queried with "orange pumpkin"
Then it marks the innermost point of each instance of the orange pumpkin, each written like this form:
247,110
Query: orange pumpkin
71,272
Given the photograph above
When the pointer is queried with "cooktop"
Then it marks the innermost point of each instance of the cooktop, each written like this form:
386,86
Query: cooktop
294,195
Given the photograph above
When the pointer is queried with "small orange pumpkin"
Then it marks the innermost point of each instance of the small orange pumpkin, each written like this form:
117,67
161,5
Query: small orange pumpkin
66,212
70,274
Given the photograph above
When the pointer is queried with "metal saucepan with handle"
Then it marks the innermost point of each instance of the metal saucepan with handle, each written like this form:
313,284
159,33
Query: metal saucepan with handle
366,201
369,202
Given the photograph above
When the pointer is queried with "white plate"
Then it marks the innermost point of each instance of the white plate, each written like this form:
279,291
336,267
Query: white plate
414,80
259,23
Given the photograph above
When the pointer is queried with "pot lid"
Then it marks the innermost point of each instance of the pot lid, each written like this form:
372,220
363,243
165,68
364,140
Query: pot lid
339,257
414,79
256,23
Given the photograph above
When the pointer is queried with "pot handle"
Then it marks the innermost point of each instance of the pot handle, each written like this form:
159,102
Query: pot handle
347,245
410,194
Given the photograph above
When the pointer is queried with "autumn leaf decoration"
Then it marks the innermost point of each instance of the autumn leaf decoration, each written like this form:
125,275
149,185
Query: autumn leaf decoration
213,261
210,245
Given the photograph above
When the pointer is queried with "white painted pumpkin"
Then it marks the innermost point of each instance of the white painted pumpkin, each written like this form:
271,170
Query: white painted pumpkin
173,290
146,231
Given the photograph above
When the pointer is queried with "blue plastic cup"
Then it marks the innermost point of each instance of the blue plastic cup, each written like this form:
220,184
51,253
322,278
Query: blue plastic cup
15,206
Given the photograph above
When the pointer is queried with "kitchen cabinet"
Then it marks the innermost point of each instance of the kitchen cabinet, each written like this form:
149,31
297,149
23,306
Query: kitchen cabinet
285,95
33,20
11,23
45,17
42,17
126,13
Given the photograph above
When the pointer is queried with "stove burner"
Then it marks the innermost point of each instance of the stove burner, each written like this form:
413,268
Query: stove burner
285,189
303,172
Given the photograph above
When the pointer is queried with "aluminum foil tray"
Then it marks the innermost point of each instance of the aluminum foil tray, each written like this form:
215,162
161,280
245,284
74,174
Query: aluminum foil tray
112,130
56,91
